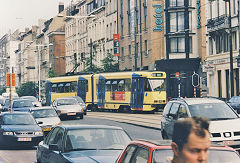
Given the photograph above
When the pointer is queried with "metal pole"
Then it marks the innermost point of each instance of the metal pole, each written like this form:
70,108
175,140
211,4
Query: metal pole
230,49
135,57
140,13
91,66
10,94
39,77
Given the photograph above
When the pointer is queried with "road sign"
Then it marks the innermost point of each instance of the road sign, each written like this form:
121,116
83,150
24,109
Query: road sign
177,75
10,77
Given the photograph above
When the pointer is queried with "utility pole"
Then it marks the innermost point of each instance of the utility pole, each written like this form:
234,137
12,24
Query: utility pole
230,50
91,66
135,57
140,13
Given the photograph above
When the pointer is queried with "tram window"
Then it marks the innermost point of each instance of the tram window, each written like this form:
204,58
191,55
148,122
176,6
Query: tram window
108,85
114,85
121,86
60,88
127,84
54,88
87,86
73,86
67,87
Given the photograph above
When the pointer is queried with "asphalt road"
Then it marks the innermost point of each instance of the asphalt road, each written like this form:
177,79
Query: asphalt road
135,128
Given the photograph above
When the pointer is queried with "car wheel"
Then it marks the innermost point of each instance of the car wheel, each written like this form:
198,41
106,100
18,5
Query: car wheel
164,135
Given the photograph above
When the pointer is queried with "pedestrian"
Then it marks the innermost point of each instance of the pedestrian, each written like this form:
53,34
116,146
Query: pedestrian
191,140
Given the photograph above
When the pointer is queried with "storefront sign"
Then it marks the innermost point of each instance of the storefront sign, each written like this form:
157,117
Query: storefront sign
198,15
116,47
208,67
159,17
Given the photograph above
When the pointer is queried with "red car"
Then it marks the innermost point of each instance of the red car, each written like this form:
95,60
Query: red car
151,152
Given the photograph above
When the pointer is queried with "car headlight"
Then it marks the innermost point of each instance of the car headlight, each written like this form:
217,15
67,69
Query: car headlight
7,133
38,133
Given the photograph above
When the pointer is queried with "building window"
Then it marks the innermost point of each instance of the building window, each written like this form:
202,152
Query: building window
146,48
137,15
234,40
121,17
174,3
145,14
130,52
219,83
122,54
177,45
137,50
129,18
210,46
177,21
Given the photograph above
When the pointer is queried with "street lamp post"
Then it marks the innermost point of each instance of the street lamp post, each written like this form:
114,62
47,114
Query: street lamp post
39,69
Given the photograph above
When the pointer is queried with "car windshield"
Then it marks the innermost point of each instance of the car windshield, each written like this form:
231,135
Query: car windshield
213,111
79,99
22,104
18,119
93,139
155,85
67,101
31,98
44,113
219,156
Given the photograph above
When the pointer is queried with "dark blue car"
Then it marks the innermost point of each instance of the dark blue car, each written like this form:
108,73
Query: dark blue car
19,129
22,105
82,143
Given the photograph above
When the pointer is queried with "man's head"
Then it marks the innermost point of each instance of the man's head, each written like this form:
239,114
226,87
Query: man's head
191,140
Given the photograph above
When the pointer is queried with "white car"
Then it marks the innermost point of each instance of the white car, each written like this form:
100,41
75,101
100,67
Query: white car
47,117
68,107
224,120
34,100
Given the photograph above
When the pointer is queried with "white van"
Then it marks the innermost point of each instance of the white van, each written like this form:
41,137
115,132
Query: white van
7,94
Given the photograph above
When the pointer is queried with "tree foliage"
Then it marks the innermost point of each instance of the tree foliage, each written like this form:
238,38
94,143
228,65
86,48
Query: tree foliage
110,64
52,73
27,89
2,90
88,68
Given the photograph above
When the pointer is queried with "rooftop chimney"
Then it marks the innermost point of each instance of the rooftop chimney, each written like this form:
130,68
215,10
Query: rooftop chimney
60,7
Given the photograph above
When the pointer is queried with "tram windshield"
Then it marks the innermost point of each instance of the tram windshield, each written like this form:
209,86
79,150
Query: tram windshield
155,85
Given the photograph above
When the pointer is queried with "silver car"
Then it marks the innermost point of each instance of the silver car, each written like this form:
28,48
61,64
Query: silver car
48,116
68,107
34,100
81,102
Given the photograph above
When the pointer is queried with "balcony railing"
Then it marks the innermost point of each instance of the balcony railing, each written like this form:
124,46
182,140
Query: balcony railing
218,23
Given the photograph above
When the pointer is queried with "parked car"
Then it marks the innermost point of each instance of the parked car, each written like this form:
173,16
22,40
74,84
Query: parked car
22,105
19,129
1,103
160,152
81,102
234,102
224,121
67,107
48,116
33,99
82,143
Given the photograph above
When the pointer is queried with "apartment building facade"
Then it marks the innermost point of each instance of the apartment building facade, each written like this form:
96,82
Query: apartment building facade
217,61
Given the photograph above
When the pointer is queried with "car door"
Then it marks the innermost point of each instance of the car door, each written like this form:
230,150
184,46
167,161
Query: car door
171,119
43,149
56,156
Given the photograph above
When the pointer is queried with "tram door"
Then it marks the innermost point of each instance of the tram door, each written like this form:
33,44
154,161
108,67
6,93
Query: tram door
101,92
137,92
82,88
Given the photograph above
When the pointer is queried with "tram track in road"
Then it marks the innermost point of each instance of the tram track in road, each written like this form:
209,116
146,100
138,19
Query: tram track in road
145,120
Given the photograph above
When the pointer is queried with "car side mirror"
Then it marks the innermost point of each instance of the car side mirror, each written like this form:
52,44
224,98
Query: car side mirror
40,122
53,147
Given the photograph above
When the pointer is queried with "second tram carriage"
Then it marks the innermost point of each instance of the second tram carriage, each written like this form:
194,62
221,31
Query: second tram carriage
122,91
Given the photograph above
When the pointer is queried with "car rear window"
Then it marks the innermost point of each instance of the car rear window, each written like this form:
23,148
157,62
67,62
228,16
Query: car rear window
219,156
162,155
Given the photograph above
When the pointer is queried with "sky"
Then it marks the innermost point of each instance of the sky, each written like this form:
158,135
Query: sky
19,14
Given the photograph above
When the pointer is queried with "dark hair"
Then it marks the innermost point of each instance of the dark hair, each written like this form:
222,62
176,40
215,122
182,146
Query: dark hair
183,128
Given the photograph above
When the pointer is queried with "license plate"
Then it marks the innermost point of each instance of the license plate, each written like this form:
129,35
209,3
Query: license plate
228,142
24,139
71,113
47,129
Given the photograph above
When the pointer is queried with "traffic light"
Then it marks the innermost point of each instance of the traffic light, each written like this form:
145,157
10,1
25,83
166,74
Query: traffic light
195,80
